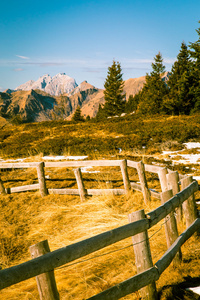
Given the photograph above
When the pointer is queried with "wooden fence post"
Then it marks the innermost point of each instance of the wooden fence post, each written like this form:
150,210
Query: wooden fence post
123,166
172,181
81,188
41,179
143,182
189,206
46,282
2,188
162,174
171,229
143,255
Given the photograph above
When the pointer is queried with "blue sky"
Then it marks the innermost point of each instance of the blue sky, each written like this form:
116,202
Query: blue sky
81,38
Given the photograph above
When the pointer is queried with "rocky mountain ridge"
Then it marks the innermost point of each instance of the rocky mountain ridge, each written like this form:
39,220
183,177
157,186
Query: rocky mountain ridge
36,105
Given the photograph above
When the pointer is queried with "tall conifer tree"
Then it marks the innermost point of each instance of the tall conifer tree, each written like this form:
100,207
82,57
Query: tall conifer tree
154,89
195,55
180,100
113,93
77,117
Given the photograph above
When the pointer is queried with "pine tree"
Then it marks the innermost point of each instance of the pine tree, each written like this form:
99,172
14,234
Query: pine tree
100,113
87,118
77,115
180,99
154,90
113,93
132,103
195,55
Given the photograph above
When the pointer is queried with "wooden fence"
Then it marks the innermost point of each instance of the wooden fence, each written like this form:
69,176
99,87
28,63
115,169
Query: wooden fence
82,191
44,262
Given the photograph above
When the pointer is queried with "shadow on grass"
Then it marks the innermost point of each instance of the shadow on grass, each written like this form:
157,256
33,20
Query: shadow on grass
180,291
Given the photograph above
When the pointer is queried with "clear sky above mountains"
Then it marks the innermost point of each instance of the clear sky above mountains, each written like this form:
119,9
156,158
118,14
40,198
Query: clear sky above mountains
81,38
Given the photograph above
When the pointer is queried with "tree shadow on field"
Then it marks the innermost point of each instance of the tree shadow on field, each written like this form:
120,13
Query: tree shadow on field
180,291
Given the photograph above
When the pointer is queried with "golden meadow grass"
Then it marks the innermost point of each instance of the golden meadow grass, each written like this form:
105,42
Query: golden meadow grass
26,219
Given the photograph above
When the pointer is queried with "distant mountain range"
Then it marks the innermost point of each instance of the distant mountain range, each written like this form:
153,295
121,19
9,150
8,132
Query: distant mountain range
57,97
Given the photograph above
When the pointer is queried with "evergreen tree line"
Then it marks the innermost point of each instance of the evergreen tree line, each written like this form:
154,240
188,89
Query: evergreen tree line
179,95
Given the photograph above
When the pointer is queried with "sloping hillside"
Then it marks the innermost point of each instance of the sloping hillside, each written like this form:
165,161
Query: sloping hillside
133,86
30,106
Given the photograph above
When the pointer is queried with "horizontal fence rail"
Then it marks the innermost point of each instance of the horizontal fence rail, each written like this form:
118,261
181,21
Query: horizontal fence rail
64,255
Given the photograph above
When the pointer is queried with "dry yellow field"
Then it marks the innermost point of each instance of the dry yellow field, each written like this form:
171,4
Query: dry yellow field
27,218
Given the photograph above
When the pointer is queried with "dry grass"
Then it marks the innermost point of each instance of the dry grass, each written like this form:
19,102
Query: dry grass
26,219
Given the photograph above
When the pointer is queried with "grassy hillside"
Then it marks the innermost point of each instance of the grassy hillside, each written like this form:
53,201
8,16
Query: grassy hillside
131,133
26,218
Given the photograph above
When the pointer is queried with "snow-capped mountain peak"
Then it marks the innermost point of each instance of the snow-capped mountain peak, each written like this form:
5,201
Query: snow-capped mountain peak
56,85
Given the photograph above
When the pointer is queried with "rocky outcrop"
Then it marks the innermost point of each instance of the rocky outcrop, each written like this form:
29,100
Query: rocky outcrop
9,91
85,95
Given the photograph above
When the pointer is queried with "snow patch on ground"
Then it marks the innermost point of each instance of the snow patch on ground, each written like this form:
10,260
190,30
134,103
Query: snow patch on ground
186,158
58,157
13,160
86,170
195,290
192,145
64,157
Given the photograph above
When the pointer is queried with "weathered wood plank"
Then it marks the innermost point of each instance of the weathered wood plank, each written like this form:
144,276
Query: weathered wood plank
64,191
123,166
143,258
24,188
162,211
167,258
155,194
92,192
96,192
189,206
152,168
86,163
171,229
128,286
41,179
162,174
2,188
143,182
46,282
81,187
172,181
18,165
137,187
132,164
148,168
